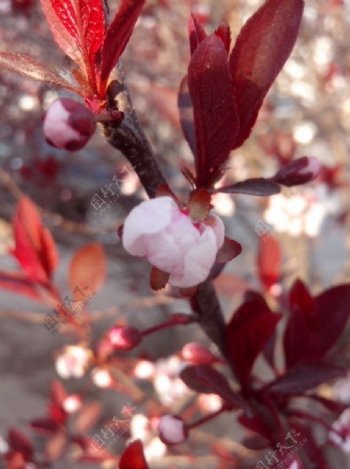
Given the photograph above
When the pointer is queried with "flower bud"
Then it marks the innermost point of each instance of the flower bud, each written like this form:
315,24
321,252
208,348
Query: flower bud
172,430
299,171
124,338
68,124
197,354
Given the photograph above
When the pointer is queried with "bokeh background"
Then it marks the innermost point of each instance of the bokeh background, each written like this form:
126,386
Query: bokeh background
307,113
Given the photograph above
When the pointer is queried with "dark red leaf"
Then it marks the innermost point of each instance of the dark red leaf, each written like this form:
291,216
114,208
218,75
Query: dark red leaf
262,420
186,114
196,33
206,379
228,251
334,310
315,324
269,260
133,457
301,334
247,333
118,35
20,443
255,186
299,171
215,115
305,376
333,406
190,377
224,33
35,248
45,426
262,47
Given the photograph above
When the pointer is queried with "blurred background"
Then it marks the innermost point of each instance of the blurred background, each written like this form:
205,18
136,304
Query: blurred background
307,113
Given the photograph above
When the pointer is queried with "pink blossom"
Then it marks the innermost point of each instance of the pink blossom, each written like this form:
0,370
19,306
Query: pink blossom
171,241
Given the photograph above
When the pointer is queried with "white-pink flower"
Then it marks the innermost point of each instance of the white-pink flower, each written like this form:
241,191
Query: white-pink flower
171,241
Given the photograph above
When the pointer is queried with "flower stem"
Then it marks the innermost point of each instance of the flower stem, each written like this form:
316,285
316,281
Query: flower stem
208,417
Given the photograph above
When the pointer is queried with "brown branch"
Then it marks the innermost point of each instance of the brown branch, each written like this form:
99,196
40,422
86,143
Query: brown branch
129,138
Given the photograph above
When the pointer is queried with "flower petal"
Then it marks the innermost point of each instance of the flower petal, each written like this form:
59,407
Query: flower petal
150,217
197,262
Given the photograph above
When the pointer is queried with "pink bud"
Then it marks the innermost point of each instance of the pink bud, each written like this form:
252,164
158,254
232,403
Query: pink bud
197,354
68,124
172,430
124,338
299,171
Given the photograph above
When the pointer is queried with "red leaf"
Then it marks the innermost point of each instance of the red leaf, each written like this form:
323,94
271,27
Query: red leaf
35,248
247,333
190,377
196,33
215,114
314,324
19,284
299,171
30,68
45,426
206,379
88,268
224,33
57,393
229,250
133,457
254,186
262,47
78,27
88,417
304,376
21,444
64,28
269,260
118,35
186,114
